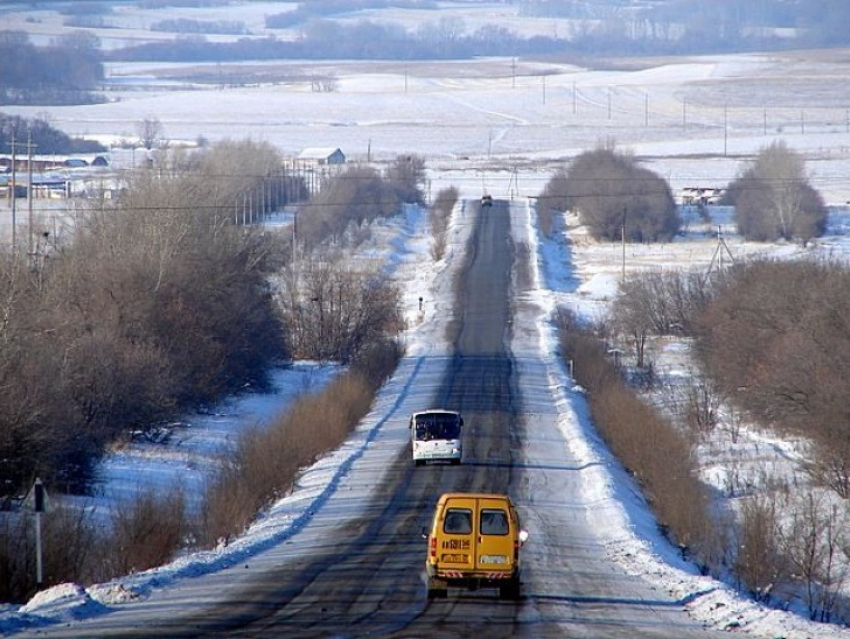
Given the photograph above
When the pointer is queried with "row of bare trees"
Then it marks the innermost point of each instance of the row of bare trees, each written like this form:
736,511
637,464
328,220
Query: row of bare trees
350,200
66,71
159,303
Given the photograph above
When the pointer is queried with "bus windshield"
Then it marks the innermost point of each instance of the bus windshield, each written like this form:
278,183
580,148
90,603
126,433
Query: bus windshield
437,426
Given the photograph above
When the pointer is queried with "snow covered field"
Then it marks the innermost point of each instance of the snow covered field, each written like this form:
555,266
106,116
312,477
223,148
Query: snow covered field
694,121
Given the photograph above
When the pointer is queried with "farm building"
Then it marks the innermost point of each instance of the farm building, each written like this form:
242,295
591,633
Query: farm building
321,156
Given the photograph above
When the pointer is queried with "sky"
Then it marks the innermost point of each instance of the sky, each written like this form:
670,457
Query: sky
695,122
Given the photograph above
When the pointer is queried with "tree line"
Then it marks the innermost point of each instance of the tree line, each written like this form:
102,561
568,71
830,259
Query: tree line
688,26
45,138
67,71
651,31
164,301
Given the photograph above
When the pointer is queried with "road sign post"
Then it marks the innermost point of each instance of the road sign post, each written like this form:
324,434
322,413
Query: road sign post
39,499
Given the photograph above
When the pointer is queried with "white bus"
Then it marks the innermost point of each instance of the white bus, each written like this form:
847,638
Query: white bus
437,436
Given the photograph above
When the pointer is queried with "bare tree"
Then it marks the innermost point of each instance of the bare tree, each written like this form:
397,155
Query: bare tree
774,200
334,313
616,198
702,405
407,175
325,84
829,464
759,563
149,131
811,544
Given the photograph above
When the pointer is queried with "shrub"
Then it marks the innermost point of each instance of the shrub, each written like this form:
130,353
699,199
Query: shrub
774,200
615,197
438,219
335,313
71,551
773,340
759,563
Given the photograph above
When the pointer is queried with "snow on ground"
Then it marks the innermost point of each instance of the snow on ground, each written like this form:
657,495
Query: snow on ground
193,449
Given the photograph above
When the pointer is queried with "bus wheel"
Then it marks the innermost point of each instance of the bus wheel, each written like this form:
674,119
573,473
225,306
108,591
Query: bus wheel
510,590
437,593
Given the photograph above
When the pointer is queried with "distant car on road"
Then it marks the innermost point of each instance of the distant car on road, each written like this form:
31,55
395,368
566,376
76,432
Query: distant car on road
486,201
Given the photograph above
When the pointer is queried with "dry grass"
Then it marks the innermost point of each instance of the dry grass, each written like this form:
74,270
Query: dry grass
145,532
649,447
71,547
267,460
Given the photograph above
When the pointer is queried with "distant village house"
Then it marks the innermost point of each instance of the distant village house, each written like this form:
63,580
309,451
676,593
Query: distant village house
321,156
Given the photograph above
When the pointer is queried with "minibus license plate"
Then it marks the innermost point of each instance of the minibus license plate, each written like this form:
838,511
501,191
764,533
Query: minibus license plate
456,559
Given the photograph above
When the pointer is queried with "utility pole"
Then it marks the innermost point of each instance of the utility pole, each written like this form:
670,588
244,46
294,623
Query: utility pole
717,258
623,234
14,194
30,146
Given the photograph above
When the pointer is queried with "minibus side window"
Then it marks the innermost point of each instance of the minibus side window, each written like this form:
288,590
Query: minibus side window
458,521
494,522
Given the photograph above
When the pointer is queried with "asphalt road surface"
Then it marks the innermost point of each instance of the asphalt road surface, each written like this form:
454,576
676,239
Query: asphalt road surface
368,581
